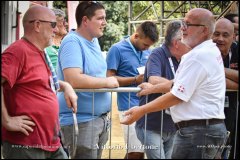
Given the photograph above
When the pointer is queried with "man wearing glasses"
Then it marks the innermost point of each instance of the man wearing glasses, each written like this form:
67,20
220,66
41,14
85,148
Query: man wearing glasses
30,120
160,67
197,94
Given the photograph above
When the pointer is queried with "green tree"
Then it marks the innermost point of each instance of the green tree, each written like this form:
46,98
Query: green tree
117,23
117,15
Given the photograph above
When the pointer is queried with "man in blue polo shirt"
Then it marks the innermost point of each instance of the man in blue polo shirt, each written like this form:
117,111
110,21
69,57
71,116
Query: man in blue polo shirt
126,60
78,52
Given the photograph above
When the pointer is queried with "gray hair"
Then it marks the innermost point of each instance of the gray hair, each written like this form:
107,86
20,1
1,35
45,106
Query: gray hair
173,31
59,12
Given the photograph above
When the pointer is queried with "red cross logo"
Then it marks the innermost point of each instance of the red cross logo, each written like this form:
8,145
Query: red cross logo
181,89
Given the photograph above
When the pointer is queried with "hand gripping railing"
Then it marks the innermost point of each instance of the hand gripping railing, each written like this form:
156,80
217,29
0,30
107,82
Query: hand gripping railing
128,89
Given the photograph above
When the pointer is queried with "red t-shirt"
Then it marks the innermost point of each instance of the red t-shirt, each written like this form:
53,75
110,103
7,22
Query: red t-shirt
28,92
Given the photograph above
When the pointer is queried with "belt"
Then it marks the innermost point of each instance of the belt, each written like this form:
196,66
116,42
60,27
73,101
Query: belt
200,122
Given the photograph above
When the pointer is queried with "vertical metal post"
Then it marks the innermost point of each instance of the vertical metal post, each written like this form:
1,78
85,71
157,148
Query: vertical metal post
93,93
129,17
110,129
236,130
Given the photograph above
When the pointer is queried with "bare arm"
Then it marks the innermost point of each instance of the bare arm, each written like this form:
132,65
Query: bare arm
126,81
69,94
161,103
231,84
21,123
156,80
231,74
77,79
162,85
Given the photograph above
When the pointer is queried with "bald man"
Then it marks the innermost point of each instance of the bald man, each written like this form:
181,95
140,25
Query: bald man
30,123
197,93
223,36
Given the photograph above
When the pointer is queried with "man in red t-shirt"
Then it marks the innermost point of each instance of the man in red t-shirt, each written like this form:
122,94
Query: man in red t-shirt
30,111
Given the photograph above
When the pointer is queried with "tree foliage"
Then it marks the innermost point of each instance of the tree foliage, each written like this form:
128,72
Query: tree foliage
60,5
117,15
117,23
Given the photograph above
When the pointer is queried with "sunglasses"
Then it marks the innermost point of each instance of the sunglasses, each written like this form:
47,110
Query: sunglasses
89,4
53,24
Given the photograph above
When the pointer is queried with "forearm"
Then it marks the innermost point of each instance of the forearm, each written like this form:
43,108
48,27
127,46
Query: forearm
76,78
5,115
85,81
231,74
156,80
125,81
163,102
231,84
162,87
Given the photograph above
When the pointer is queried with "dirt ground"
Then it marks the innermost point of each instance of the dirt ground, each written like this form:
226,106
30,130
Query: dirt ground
117,149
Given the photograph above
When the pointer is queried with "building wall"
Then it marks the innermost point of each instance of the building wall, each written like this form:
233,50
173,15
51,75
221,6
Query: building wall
11,22
8,23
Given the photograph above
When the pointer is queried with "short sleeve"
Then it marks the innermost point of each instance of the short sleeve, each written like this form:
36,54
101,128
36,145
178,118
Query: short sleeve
11,68
70,55
154,65
113,58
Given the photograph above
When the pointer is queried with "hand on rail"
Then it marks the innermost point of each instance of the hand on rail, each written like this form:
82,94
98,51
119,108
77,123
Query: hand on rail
146,89
112,82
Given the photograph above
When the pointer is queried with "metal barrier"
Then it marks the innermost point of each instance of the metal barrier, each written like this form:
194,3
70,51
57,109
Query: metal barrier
137,89
119,89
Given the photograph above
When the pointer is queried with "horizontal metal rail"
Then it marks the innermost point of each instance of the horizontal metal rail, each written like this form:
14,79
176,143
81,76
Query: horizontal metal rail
136,89
119,89
122,89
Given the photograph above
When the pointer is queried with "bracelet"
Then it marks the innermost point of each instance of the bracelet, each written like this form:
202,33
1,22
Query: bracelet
135,81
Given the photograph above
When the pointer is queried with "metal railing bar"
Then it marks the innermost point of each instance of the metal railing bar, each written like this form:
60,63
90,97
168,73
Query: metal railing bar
119,89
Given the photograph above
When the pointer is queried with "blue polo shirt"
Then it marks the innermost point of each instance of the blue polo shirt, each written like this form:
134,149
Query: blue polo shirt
125,59
158,65
77,52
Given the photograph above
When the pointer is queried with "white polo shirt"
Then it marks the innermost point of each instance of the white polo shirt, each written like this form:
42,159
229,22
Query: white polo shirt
200,83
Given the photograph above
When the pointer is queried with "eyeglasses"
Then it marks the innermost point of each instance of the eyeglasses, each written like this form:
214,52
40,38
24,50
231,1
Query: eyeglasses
186,25
53,24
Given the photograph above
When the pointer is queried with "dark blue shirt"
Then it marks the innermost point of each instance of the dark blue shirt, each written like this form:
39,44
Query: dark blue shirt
158,65
230,112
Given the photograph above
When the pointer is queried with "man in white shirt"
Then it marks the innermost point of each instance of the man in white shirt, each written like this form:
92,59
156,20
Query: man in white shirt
198,92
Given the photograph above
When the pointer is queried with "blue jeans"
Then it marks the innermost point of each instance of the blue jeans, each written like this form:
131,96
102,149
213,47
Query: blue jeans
93,135
198,142
156,147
